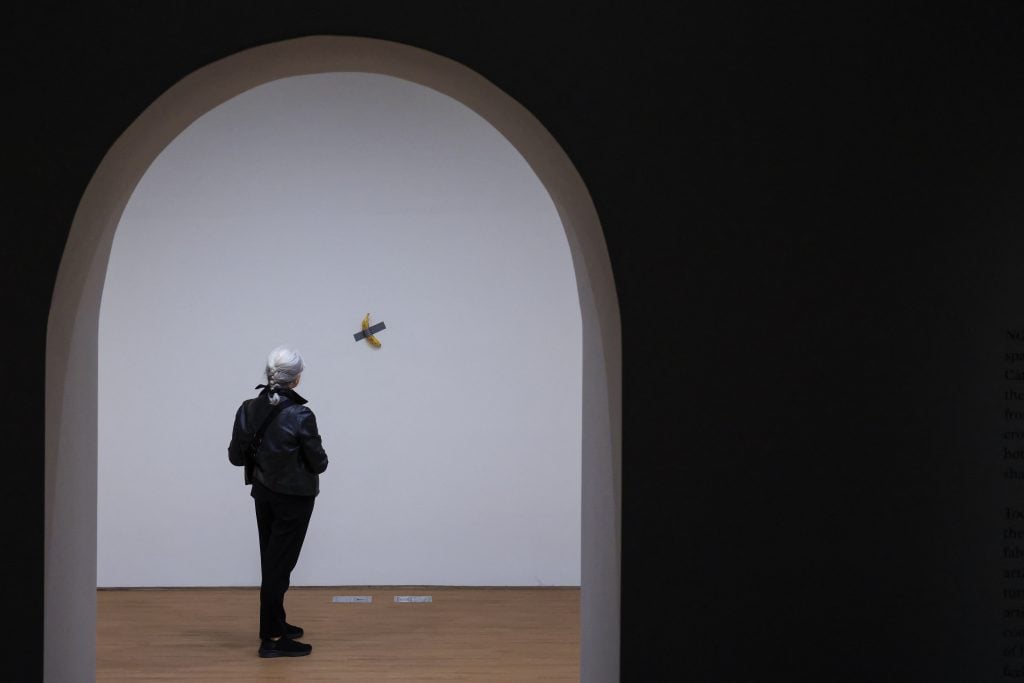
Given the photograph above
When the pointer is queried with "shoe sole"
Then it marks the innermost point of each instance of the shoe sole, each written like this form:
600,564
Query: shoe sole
268,655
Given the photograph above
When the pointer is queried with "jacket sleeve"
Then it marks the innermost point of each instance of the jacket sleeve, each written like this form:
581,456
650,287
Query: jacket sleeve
239,439
312,447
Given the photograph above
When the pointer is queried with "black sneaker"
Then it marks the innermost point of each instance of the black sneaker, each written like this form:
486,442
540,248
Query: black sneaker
284,647
292,632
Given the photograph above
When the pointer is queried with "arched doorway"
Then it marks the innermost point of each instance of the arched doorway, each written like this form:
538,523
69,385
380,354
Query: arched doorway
71,418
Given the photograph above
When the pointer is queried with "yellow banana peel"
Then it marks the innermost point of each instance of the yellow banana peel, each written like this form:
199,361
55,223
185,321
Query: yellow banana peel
369,337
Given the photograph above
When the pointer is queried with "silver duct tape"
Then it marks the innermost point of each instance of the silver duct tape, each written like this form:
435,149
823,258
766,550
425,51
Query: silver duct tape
373,329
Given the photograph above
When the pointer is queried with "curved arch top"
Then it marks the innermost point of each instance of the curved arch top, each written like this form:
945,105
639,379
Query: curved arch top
71,353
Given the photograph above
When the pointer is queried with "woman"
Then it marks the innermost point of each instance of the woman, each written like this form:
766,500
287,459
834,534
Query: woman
284,476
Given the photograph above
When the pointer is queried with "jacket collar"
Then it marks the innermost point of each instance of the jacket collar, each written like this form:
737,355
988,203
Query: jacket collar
288,393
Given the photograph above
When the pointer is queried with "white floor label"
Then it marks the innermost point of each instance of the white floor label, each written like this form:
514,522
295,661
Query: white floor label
413,598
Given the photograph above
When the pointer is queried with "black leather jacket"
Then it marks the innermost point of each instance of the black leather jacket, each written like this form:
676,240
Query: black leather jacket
291,456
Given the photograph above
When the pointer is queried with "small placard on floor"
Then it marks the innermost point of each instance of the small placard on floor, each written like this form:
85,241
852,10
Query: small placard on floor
352,598
413,598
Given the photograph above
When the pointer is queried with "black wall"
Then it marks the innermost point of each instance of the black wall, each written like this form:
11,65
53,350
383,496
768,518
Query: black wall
816,223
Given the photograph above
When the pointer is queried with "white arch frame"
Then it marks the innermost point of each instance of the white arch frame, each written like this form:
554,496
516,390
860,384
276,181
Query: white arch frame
71,347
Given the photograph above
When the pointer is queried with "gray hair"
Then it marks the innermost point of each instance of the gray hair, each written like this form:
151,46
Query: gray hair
284,365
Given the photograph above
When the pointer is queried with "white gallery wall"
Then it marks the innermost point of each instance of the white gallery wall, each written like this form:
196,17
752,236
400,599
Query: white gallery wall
283,217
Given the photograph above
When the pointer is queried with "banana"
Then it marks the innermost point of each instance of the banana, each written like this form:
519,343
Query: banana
369,337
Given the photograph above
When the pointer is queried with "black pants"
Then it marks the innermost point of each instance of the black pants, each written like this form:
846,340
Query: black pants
282,522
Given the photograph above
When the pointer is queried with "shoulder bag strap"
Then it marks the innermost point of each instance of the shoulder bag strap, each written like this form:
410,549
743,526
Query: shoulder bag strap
257,438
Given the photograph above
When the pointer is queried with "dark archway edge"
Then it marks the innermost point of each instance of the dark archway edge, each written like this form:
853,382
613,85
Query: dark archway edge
72,356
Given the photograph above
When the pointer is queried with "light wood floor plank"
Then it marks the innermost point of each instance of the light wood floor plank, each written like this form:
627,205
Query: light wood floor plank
466,634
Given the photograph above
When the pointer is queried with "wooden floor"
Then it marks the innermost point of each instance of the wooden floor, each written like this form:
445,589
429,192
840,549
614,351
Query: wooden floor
465,634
